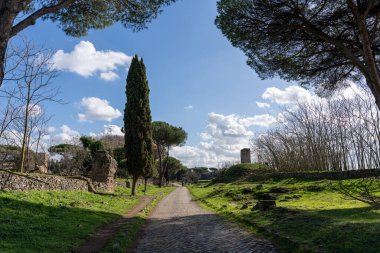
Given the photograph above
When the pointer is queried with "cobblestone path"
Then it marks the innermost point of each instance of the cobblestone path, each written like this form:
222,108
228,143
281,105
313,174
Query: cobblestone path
179,225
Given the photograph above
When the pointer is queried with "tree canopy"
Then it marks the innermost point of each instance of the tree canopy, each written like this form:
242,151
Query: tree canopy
315,42
91,144
166,136
63,148
173,165
74,17
138,123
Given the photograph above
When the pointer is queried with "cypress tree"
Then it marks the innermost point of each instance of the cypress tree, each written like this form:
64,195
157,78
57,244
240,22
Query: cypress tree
138,123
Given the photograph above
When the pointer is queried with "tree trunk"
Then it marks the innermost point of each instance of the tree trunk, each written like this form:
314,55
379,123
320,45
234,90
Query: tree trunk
167,177
160,179
134,182
145,183
373,77
25,133
160,169
8,13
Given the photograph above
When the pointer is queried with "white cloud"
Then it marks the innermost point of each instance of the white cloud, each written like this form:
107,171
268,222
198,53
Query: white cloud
262,105
51,129
109,76
109,130
194,156
97,109
258,120
67,135
188,108
222,140
34,110
289,95
86,61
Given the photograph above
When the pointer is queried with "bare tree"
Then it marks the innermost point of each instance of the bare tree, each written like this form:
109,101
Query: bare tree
334,134
29,74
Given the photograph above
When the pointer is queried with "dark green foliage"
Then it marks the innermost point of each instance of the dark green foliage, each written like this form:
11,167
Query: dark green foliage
9,153
182,174
173,166
119,156
177,136
316,42
9,148
241,171
63,148
74,17
166,136
91,144
138,123
80,16
161,132
75,160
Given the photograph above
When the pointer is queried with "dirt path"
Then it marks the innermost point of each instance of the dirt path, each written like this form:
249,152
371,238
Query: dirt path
178,224
100,238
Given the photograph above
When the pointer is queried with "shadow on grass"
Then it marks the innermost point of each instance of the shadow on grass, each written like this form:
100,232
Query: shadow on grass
29,227
337,230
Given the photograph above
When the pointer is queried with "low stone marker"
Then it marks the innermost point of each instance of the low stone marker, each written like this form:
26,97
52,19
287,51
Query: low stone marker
265,202
103,171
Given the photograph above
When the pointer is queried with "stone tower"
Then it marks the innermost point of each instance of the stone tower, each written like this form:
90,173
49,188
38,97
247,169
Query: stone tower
245,155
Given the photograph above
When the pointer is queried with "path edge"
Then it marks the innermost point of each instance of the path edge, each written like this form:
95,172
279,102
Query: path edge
97,240
153,206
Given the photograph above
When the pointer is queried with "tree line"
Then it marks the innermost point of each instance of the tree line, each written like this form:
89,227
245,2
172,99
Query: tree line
331,134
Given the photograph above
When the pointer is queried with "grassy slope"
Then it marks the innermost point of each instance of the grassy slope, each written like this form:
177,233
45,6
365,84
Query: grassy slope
57,221
323,221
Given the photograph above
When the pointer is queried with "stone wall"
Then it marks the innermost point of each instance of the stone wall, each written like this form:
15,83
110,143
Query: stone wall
333,175
103,171
37,162
12,182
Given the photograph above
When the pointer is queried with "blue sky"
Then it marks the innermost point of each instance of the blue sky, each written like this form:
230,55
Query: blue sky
197,79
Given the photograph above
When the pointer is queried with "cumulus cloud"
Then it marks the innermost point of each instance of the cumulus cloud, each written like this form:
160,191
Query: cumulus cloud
109,130
188,108
109,76
86,61
222,140
262,105
289,95
263,120
66,135
97,109
50,129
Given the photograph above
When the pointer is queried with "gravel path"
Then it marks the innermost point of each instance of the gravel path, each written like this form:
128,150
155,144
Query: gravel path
178,224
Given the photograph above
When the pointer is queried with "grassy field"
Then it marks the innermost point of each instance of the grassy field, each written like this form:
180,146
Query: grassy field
58,221
311,216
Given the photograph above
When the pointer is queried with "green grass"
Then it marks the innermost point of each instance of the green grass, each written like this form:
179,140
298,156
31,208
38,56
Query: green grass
241,172
320,220
58,221
128,233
